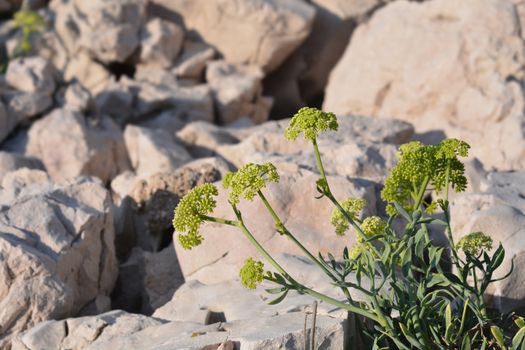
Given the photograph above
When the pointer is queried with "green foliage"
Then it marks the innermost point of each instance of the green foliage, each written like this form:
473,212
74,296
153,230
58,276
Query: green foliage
352,207
28,22
191,213
411,300
310,122
249,180
252,273
474,243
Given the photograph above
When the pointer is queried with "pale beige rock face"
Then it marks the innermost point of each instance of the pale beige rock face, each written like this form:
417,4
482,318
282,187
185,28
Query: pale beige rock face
161,43
78,146
79,333
237,90
107,30
32,74
153,151
56,251
256,32
441,65
498,209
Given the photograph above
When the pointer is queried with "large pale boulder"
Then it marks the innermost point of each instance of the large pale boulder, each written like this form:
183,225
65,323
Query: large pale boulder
441,65
259,32
78,146
31,74
498,209
56,251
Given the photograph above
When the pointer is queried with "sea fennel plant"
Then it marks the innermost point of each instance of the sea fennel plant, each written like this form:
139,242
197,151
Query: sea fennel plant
418,295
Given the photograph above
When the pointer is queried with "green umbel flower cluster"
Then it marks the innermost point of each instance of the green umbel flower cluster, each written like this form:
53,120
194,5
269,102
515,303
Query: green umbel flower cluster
189,214
417,162
248,180
310,121
474,243
353,207
373,225
252,273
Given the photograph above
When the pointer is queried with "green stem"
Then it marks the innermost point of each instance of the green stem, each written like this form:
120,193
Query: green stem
292,237
318,159
220,220
299,287
421,193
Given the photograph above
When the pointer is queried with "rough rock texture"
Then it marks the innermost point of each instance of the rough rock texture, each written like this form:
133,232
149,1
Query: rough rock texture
78,146
238,92
153,151
108,331
146,204
256,32
192,62
56,251
225,248
442,65
12,161
147,280
108,30
301,79
198,302
498,209
161,43
92,75
79,333
362,147
32,74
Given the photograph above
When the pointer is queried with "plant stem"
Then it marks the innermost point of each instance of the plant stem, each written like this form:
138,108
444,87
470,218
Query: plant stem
220,220
421,192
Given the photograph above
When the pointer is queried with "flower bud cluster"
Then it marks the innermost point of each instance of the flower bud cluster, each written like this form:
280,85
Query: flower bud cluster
310,121
248,180
189,214
353,207
474,243
252,273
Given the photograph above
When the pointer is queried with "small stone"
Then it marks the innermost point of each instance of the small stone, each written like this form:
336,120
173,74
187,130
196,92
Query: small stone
192,62
32,74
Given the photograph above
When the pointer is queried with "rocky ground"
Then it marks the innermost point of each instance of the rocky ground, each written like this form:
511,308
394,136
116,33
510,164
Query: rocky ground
122,106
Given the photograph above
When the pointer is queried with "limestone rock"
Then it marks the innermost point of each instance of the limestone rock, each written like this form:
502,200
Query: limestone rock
77,146
498,210
192,62
77,98
363,147
108,30
302,78
12,161
32,74
146,204
278,332
56,251
90,74
161,43
441,65
79,333
147,280
257,32
26,105
238,92
152,151
203,139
